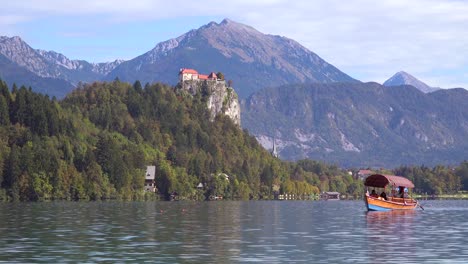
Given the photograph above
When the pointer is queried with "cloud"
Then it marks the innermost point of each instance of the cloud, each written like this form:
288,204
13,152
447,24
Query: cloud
361,36
368,39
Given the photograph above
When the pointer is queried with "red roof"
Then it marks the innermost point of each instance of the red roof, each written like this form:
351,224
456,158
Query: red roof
380,181
202,76
190,71
213,76
365,172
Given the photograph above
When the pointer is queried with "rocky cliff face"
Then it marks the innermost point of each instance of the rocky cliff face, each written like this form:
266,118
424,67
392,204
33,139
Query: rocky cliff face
221,98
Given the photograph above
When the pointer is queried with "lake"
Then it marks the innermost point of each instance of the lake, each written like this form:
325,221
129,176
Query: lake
232,232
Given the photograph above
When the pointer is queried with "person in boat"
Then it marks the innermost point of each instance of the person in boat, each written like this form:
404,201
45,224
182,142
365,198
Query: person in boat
374,194
401,192
383,195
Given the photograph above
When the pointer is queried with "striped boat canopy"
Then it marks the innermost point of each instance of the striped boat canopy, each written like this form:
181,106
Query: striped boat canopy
381,180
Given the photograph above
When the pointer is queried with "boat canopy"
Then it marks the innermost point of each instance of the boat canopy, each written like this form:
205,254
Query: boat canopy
381,180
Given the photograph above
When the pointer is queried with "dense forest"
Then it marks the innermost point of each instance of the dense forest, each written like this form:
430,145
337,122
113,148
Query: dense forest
96,143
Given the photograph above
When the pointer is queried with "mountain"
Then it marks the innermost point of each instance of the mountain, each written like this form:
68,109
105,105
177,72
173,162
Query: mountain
404,78
46,71
361,124
12,73
99,69
253,60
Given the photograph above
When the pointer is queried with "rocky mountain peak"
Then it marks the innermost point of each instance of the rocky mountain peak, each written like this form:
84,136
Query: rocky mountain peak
19,52
12,44
251,58
105,67
59,59
13,39
226,21
404,78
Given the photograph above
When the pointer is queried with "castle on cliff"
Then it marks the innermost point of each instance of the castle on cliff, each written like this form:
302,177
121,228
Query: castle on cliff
221,97
191,74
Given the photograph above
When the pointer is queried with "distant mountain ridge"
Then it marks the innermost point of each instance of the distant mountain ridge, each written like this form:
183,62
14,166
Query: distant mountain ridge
60,59
46,71
253,60
12,73
361,124
404,78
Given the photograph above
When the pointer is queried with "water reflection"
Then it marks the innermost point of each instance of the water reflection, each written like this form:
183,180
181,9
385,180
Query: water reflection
391,235
231,232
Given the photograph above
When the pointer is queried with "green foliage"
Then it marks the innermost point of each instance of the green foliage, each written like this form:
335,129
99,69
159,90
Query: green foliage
4,115
462,173
437,180
96,143
220,75
41,186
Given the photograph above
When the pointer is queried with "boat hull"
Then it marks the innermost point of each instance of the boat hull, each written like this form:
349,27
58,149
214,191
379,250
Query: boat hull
379,204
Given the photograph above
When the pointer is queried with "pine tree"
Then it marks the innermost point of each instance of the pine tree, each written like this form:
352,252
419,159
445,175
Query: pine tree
4,111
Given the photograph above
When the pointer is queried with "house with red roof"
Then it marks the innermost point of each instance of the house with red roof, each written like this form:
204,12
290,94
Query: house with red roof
191,74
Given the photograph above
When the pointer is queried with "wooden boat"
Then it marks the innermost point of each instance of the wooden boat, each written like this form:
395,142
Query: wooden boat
395,201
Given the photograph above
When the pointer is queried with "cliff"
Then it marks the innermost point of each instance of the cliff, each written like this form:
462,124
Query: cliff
221,98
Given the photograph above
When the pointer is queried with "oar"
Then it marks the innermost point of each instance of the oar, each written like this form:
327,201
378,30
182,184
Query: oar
417,202
420,206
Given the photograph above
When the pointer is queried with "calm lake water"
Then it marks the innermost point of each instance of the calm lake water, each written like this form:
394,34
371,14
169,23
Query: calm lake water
232,232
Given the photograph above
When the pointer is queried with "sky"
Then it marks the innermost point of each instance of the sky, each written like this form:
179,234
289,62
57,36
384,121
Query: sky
367,39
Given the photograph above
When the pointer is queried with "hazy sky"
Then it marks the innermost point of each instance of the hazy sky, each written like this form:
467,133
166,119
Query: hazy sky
369,40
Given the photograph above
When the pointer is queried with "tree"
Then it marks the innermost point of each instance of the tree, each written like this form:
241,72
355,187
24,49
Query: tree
462,173
165,179
5,91
12,173
41,186
137,86
4,111
220,75
97,184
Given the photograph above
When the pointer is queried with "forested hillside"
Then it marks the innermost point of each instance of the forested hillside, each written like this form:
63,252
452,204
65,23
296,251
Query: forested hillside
96,143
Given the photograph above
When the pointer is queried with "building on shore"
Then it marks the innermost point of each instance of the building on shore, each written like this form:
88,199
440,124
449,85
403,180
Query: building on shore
150,181
330,196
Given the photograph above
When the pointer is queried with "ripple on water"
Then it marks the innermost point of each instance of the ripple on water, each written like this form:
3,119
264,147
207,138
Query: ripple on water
239,232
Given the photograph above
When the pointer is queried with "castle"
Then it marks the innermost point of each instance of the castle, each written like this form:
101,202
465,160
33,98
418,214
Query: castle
191,74
221,97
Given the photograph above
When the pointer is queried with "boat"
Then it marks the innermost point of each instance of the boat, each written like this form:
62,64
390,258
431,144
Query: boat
398,198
